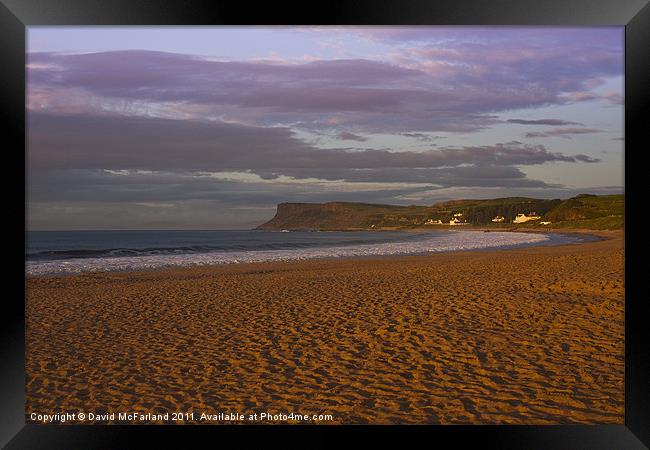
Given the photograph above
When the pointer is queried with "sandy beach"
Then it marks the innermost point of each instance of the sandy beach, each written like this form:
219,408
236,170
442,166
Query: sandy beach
525,336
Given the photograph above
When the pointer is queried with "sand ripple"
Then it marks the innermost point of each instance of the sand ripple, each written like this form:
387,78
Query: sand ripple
522,336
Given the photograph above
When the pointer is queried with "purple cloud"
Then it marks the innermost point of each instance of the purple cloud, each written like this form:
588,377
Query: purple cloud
613,98
454,86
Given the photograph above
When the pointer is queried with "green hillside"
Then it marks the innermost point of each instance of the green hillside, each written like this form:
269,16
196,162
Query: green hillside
589,211
582,211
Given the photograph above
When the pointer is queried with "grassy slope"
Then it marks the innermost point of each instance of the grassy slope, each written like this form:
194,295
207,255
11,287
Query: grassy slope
592,212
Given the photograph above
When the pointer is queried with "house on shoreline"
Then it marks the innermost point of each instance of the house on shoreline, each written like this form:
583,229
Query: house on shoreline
498,219
521,218
456,220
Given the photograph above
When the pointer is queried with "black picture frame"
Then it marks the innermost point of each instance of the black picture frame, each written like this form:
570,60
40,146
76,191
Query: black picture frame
16,15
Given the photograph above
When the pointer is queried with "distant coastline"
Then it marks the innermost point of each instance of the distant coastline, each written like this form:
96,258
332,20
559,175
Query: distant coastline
590,212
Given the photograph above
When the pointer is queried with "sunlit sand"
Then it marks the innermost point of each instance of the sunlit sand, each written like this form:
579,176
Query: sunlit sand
526,336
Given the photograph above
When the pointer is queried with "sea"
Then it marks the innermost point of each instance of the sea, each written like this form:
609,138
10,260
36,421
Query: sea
71,252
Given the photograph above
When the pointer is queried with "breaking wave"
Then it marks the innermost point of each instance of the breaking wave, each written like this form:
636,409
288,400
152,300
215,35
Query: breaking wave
423,243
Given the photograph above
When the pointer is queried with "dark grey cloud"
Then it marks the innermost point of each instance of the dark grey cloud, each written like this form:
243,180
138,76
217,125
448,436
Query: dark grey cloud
486,176
422,136
562,132
584,158
110,142
347,136
552,122
178,187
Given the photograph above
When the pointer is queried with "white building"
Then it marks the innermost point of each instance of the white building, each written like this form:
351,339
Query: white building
433,222
456,221
545,223
498,219
521,218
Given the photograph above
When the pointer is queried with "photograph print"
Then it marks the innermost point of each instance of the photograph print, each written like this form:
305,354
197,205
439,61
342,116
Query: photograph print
325,225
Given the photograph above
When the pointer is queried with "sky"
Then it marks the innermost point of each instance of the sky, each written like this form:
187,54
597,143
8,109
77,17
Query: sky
212,127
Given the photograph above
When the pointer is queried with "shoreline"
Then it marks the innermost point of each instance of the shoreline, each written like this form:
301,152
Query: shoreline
532,335
569,231
347,260
598,234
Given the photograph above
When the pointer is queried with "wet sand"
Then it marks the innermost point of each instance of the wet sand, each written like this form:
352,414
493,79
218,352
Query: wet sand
525,336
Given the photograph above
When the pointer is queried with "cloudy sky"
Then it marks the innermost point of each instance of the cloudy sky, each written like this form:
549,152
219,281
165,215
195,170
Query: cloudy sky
211,127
